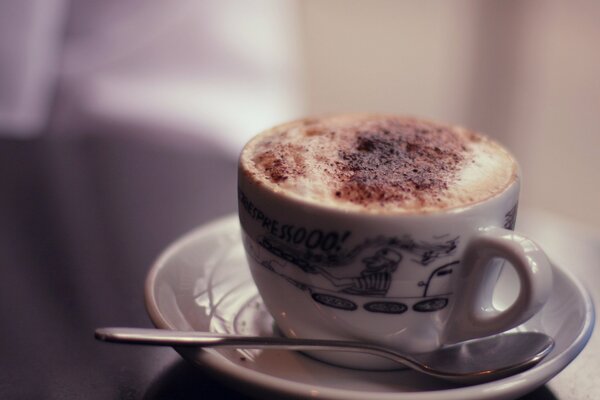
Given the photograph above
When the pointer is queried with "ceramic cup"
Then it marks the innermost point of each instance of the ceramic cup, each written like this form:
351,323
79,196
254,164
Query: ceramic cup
414,282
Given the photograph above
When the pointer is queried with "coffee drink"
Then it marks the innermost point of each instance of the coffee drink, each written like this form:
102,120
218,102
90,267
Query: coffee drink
385,229
379,163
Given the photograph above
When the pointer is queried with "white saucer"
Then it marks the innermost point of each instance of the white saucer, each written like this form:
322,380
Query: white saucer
201,282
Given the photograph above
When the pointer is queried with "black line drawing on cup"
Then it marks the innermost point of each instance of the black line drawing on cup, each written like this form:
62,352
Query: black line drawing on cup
443,270
435,303
431,305
385,307
373,279
424,253
334,301
510,218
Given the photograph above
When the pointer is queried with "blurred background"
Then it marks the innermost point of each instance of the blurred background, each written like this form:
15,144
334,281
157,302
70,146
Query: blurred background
121,120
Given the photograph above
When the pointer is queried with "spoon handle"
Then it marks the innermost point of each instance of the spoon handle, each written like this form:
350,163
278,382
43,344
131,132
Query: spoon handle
163,337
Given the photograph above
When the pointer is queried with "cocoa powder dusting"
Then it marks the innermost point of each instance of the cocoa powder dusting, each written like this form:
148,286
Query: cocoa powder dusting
367,160
281,162
397,159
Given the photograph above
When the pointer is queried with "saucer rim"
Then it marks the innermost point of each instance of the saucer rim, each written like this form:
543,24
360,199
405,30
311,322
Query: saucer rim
222,367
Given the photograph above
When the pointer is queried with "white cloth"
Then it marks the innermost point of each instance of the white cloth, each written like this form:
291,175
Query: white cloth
226,69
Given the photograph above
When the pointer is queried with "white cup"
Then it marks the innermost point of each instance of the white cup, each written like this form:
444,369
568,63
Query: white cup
414,282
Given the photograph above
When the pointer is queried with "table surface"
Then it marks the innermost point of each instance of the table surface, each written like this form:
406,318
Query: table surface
48,348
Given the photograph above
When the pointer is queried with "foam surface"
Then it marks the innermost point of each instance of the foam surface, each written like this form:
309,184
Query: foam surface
379,163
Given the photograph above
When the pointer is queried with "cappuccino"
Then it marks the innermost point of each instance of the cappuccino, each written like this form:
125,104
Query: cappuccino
378,163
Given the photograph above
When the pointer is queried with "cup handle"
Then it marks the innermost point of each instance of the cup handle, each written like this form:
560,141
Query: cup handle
473,314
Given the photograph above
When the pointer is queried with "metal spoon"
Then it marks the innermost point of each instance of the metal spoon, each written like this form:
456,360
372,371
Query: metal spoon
474,361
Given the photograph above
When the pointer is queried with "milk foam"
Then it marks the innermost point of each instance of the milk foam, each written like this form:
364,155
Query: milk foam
316,160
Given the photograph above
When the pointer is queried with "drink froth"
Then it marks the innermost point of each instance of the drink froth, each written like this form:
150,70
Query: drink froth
379,163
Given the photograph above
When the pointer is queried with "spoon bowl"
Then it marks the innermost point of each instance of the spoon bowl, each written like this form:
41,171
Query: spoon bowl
474,361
